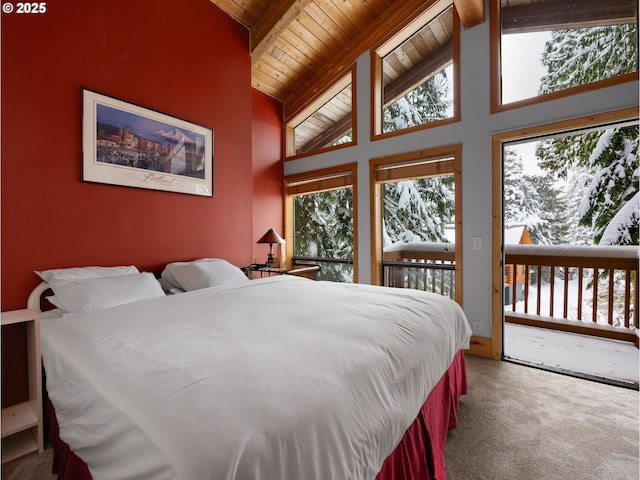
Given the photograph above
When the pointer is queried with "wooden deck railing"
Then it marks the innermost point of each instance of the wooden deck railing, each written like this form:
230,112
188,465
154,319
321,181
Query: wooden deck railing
431,268
590,290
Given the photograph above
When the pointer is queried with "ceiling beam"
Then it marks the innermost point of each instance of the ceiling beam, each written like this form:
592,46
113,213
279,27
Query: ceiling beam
273,23
471,12
558,14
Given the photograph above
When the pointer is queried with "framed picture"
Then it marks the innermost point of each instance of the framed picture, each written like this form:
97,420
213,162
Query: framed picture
125,144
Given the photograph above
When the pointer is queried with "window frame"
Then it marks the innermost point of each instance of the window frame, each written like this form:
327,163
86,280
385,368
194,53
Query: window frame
396,37
316,181
407,166
495,63
313,106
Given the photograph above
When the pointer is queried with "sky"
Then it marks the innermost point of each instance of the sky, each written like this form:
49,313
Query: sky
521,74
521,65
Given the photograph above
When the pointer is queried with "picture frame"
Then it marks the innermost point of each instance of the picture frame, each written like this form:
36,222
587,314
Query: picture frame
129,145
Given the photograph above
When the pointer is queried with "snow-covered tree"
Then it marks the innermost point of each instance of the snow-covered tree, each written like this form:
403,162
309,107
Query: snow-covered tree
579,56
532,200
418,210
426,103
323,228
571,194
554,224
602,169
609,205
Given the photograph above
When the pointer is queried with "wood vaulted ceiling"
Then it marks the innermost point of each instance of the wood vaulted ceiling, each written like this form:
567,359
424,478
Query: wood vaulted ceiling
299,47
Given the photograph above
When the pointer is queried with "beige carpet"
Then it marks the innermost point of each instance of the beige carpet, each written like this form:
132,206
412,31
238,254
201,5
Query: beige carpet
34,467
516,423
520,423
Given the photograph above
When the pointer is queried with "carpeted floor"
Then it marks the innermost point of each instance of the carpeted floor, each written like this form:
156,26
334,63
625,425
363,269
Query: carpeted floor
521,423
33,467
516,423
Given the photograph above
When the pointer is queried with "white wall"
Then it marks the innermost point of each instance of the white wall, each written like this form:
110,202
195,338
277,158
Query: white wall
474,133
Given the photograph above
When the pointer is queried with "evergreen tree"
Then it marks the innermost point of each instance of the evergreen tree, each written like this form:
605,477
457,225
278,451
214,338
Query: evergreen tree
532,200
610,203
571,194
418,210
579,56
426,103
323,228
602,168
553,226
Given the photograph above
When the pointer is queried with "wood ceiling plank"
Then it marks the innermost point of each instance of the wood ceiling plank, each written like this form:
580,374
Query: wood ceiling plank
333,11
327,30
314,41
289,45
283,52
377,7
360,16
323,47
269,84
308,41
246,12
288,69
442,27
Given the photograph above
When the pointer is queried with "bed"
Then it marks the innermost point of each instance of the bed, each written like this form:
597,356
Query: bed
276,378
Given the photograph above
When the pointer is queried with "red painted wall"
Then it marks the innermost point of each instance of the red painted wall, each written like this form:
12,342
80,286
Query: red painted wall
268,172
187,59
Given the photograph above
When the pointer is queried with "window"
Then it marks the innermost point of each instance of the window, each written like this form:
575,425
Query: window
328,122
552,46
416,224
321,222
575,188
414,73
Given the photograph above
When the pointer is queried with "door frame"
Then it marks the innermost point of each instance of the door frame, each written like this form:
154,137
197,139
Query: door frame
497,245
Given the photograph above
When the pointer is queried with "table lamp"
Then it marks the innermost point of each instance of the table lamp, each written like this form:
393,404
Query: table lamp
271,237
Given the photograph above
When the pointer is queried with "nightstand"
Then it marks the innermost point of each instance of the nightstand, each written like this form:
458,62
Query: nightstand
22,422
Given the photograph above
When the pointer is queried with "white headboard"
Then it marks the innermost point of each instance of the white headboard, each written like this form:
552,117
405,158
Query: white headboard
33,302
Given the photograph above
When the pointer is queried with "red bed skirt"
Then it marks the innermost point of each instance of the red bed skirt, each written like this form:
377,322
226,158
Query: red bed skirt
418,456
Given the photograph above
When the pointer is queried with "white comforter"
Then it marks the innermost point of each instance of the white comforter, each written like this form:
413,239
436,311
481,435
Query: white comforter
274,379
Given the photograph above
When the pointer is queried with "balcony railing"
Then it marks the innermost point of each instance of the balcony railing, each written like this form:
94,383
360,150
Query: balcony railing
331,269
583,289
589,290
422,266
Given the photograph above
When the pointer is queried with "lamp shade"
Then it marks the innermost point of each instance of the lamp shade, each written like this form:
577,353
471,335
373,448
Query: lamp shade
271,237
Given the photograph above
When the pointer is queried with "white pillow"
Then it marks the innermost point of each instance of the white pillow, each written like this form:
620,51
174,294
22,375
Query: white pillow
167,280
203,274
85,295
170,283
79,273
